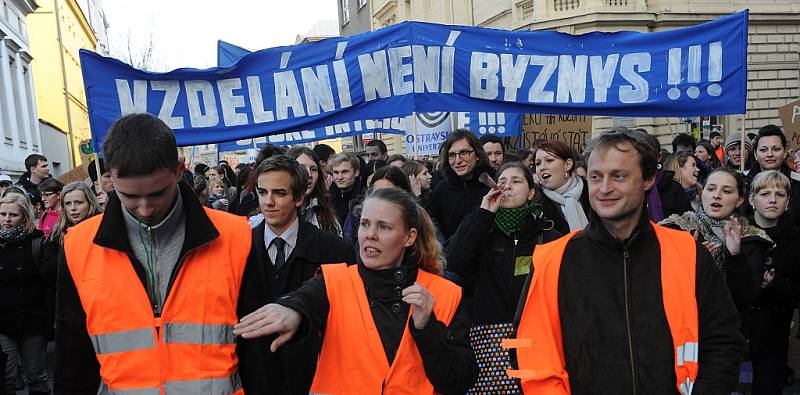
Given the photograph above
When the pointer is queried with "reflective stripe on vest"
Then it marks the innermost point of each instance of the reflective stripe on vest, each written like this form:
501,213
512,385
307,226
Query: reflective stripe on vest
191,348
132,340
219,386
343,371
539,344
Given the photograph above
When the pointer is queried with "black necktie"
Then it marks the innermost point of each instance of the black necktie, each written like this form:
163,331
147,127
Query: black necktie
280,256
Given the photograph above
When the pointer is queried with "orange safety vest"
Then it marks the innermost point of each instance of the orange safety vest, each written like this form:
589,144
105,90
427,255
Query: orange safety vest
540,352
190,349
352,360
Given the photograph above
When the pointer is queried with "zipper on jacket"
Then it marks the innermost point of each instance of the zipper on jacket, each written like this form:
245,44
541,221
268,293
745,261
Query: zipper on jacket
625,256
174,274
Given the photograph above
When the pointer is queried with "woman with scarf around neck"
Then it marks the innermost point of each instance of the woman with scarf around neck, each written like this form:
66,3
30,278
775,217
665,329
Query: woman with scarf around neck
494,244
23,317
771,316
738,248
317,207
391,323
566,196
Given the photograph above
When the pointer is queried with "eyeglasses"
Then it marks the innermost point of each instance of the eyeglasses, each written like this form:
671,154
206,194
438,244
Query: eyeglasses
48,194
461,154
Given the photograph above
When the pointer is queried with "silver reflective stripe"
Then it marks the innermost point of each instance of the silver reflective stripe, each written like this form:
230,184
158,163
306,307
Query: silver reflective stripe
686,388
218,386
104,390
135,339
688,352
186,333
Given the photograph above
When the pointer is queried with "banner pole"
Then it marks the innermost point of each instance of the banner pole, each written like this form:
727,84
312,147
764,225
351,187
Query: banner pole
741,147
416,143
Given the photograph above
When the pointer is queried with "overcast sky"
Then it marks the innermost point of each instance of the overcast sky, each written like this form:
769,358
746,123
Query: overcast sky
185,33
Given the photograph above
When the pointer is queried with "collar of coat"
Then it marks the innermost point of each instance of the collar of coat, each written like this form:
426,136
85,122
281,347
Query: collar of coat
306,248
199,228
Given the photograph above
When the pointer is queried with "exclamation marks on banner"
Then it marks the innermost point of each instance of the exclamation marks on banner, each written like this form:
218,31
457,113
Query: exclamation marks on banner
491,122
693,69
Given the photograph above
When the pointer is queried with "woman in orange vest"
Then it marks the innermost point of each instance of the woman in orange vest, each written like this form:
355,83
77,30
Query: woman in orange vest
391,323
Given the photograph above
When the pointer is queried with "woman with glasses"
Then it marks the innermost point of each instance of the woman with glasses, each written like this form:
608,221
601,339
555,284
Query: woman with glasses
460,192
23,313
566,195
51,199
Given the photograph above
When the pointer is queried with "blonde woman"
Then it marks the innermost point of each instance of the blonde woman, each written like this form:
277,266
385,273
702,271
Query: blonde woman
23,317
391,323
78,203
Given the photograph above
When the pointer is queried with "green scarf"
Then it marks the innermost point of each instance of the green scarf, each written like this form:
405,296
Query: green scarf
511,220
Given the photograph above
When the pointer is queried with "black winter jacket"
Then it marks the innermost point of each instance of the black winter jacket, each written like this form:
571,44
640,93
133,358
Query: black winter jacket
290,370
553,211
341,200
673,197
500,264
454,198
616,337
77,370
771,317
446,354
23,291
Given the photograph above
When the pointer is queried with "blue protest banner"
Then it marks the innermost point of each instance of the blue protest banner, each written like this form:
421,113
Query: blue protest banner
395,125
423,67
228,54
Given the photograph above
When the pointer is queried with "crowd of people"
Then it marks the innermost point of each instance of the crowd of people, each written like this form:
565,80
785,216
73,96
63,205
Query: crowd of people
489,271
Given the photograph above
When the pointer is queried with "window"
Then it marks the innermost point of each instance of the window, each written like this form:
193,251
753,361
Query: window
345,11
361,4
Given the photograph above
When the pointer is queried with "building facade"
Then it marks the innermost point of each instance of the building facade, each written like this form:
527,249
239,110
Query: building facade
773,51
354,16
58,31
18,119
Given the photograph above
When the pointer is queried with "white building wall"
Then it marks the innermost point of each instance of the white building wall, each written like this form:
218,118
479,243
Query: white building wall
20,135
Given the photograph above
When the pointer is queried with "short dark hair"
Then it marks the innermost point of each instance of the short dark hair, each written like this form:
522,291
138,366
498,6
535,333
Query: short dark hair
492,139
769,131
140,144
474,143
323,151
396,157
268,151
648,159
380,144
289,165
32,160
50,185
714,134
394,175
200,169
685,140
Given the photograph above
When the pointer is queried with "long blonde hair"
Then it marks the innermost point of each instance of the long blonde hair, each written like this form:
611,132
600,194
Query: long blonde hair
63,220
24,207
427,249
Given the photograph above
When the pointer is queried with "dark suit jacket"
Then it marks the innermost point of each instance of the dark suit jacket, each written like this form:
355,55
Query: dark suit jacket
291,369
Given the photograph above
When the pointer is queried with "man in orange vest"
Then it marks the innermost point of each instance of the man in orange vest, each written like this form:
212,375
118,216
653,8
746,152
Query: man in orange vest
625,306
148,291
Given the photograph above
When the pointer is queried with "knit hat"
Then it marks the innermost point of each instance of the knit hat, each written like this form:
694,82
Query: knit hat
736,138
